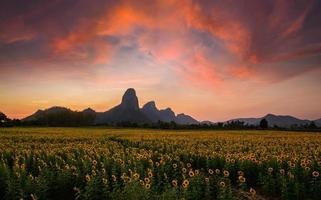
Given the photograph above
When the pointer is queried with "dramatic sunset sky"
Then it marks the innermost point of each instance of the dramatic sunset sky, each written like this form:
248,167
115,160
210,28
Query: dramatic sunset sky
211,59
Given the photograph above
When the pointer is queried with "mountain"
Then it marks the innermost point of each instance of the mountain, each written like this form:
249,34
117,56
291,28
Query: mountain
284,121
317,122
150,110
42,113
185,119
155,115
166,115
127,111
61,116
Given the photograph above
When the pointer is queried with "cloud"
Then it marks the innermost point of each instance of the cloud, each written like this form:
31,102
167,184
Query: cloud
202,40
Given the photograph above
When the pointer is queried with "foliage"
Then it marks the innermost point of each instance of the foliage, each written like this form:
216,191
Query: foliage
264,123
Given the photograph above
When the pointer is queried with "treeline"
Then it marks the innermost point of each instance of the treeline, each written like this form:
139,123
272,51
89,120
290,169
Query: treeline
232,125
63,118
69,118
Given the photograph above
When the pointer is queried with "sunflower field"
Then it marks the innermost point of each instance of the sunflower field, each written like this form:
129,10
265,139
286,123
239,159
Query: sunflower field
104,163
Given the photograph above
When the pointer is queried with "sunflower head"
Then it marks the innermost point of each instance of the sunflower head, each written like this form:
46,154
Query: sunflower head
252,191
174,183
315,174
226,173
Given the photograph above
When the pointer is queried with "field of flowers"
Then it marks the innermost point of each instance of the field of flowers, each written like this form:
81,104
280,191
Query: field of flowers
101,163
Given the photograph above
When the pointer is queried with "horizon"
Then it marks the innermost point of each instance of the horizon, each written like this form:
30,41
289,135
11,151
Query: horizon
212,60
176,113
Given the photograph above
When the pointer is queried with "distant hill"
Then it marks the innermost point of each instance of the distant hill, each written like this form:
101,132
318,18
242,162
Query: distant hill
284,121
185,119
127,111
61,116
318,122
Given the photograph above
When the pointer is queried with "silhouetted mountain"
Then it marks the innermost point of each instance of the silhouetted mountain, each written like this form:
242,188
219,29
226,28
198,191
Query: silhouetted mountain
61,116
166,115
185,119
284,121
150,110
208,122
42,113
318,122
127,111
89,111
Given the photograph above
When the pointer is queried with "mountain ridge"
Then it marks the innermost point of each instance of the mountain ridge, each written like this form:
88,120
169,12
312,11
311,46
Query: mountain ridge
127,111
285,121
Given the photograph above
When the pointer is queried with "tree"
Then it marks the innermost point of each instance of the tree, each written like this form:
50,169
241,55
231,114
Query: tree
3,117
312,125
264,124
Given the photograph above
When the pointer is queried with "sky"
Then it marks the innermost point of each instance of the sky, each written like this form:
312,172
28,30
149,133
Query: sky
212,59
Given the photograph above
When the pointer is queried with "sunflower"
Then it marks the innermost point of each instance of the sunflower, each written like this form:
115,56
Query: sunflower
174,165
242,179
226,173
207,180
174,183
105,181
147,180
33,197
191,173
184,170
87,178
188,165
252,191
150,174
77,190
185,183
240,173
315,174
147,186
210,171
222,184
282,171
142,183
197,172
217,171
270,170
94,162
114,177
136,176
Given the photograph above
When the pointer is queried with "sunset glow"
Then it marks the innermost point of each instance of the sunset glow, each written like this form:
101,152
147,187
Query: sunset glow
214,60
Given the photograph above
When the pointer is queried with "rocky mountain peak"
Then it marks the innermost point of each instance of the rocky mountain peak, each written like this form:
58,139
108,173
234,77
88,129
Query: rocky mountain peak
130,100
150,106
